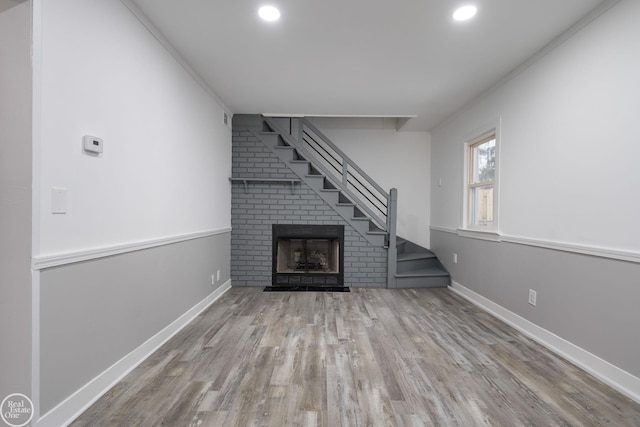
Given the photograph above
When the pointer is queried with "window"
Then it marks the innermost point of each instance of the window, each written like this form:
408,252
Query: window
481,182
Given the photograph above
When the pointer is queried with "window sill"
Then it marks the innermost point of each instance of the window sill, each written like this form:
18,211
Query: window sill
492,236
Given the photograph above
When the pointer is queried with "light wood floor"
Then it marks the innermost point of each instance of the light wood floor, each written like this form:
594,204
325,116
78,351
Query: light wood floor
371,357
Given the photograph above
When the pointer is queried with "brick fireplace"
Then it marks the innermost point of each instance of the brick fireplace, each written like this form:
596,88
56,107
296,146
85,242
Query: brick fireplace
308,255
273,197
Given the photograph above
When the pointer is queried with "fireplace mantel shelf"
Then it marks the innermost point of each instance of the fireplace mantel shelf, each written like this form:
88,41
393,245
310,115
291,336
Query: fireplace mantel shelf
247,180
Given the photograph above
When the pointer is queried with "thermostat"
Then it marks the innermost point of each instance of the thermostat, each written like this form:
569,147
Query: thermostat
93,144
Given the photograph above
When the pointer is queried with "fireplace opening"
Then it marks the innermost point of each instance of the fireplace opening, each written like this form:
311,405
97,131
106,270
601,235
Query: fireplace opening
308,255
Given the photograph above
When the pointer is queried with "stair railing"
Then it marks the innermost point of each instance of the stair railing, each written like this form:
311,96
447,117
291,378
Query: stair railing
348,176
373,197
336,165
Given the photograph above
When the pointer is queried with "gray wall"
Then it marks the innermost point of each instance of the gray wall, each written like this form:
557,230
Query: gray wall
255,209
568,176
93,313
163,176
7,4
589,301
15,201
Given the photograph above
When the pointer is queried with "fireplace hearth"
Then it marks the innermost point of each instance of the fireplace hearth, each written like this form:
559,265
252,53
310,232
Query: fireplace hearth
309,255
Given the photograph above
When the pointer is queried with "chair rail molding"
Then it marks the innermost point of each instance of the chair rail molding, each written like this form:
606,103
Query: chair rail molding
611,253
41,262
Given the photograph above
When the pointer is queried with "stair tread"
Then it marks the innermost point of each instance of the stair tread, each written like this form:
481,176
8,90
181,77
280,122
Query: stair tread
286,146
424,272
330,190
314,176
416,255
381,233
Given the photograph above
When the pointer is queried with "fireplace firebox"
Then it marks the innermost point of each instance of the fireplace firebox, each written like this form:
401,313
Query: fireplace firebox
311,255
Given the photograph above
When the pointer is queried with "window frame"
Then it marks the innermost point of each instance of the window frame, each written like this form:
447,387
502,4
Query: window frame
487,133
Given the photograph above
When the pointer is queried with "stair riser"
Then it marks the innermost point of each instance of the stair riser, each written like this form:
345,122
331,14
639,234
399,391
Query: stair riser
375,239
422,282
270,139
330,197
416,264
344,211
300,168
361,226
284,154
400,249
315,182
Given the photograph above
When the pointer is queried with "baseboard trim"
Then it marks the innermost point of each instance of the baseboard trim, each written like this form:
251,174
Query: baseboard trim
74,405
611,375
47,261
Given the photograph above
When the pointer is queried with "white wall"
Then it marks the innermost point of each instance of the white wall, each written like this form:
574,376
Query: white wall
167,155
15,201
569,148
568,186
162,179
394,160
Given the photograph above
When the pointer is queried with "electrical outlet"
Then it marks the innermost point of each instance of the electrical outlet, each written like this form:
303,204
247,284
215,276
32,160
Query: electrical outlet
532,297
455,258
213,279
218,275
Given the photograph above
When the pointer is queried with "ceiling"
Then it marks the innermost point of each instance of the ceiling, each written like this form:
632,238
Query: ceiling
358,57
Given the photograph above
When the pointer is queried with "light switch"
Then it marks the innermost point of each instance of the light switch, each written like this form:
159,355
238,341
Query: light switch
59,200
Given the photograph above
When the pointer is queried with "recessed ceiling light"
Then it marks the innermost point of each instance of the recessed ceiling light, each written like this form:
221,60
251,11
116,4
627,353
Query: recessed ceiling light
269,13
465,12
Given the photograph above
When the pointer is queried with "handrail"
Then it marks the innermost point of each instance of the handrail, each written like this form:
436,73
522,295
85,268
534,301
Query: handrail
344,156
346,176
373,198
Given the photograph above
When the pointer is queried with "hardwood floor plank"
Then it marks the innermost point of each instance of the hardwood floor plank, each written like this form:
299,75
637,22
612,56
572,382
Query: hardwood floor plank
371,357
333,401
383,352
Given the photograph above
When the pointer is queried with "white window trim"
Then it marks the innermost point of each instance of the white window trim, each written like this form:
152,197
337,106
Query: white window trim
475,231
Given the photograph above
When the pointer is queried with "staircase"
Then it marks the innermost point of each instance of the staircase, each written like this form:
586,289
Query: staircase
418,267
351,193
324,187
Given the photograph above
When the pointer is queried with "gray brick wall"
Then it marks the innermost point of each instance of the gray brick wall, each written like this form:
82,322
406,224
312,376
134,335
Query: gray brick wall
256,208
